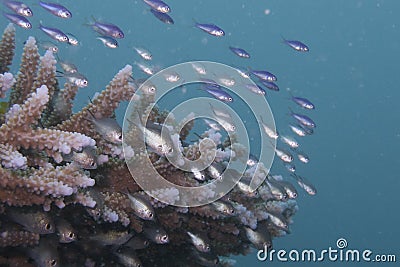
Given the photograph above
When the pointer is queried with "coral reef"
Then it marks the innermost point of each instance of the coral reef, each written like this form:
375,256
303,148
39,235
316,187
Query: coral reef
43,180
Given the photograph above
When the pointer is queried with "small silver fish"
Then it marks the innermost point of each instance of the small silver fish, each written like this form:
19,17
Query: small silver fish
153,138
45,254
290,189
277,190
137,242
35,222
76,78
198,175
303,157
216,170
128,258
172,77
290,141
297,130
108,41
141,207
158,5
156,234
108,128
199,68
271,133
18,20
54,33
144,53
112,237
290,167
223,207
72,40
259,237
149,70
18,7
65,231
305,184
86,159
284,155
199,243
56,9
49,46
67,66
279,221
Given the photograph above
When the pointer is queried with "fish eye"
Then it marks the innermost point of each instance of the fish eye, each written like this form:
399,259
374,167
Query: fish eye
207,248
65,38
71,235
28,25
230,99
232,211
92,163
164,238
294,195
151,215
119,137
53,262
47,226
146,243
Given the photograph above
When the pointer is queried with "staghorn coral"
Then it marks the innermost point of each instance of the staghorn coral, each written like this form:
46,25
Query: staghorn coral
36,138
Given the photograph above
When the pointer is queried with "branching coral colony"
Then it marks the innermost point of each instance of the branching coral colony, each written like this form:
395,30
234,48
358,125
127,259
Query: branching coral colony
55,211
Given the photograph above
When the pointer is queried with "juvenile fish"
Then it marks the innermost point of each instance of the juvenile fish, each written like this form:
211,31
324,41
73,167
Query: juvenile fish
199,68
305,184
224,207
303,119
56,9
45,254
86,159
259,237
18,20
172,76
215,170
252,160
303,102
271,133
303,157
284,155
264,75
72,40
163,17
297,130
254,88
289,141
108,41
296,45
128,258
158,5
290,189
65,231
290,167
153,138
279,221
156,234
107,29
18,7
49,46
112,237
277,190
198,175
211,29
239,52
109,129
141,207
137,242
144,53
199,243
75,78
218,93
270,85
35,222
54,33
145,69
67,66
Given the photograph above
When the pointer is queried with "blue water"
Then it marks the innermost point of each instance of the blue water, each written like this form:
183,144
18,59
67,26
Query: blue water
350,73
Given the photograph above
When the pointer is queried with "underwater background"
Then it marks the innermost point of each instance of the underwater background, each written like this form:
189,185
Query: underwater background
351,74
